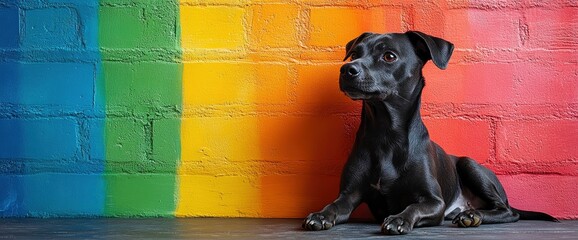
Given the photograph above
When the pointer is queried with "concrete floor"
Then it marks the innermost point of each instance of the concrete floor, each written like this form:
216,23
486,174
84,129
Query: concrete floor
219,228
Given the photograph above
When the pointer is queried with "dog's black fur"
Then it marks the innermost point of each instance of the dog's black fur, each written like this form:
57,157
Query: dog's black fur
406,179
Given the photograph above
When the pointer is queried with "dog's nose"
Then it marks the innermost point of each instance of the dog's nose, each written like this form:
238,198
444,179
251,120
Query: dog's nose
350,70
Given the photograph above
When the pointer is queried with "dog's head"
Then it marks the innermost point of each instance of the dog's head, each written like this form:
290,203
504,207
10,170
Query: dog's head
389,65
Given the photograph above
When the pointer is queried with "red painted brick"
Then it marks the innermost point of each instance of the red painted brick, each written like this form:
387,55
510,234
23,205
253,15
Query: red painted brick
552,4
481,83
484,4
547,141
545,55
461,137
482,29
552,29
552,194
542,82
428,17
566,168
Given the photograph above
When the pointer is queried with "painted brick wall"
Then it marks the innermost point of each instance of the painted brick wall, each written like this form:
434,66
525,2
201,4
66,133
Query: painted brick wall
48,69
232,107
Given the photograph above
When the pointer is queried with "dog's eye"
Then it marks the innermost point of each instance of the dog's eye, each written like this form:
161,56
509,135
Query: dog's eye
353,56
390,57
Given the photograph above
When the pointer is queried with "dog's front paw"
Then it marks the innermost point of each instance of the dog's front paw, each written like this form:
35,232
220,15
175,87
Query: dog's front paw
468,218
395,226
318,221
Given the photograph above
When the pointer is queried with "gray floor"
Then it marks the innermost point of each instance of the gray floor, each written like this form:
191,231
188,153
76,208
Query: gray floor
219,228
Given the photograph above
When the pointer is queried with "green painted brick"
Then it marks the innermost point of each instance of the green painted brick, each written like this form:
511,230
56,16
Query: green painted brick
149,26
143,195
125,142
167,143
143,87
121,27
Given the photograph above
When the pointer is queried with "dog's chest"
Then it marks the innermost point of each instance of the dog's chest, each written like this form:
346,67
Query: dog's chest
384,175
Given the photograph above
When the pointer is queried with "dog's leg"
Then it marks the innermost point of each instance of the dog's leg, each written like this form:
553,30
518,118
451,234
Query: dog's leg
485,186
335,213
428,212
350,196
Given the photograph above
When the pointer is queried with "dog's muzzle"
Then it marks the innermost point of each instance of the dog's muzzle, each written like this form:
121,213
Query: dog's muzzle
350,70
351,81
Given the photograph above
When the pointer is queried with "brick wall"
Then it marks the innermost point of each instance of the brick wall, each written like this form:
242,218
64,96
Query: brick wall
232,107
48,56
503,84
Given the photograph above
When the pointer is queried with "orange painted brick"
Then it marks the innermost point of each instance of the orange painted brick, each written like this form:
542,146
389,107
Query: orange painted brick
275,25
337,26
295,196
322,140
319,84
272,83
428,17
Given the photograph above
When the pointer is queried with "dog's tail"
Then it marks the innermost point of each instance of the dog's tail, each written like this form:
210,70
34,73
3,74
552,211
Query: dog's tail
530,215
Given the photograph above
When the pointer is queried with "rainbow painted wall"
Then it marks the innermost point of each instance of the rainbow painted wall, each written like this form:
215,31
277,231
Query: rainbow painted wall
231,107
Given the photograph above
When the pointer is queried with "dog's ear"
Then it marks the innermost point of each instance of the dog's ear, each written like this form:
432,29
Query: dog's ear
351,44
429,47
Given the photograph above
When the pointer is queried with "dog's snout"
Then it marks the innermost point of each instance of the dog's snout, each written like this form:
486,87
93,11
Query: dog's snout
351,70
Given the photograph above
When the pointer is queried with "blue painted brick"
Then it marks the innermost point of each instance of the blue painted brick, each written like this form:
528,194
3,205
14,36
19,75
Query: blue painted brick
11,196
38,138
51,28
63,194
96,138
75,2
9,35
88,16
24,3
60,85
9,82
8,2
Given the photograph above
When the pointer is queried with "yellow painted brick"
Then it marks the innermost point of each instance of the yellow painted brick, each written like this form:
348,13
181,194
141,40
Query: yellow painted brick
234,83
272,83
212,27
204,2
230,140
217,83
226,196
337,26
275,25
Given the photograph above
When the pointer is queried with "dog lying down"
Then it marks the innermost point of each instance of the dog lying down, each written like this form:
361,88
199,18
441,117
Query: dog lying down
406,179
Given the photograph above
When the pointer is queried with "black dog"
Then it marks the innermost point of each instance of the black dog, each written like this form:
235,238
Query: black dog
394,167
